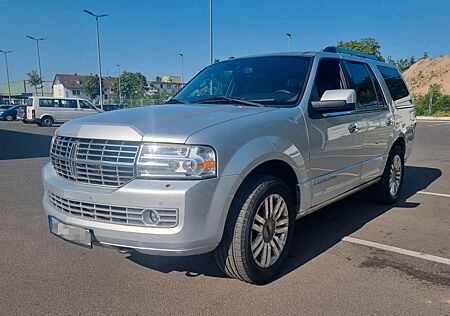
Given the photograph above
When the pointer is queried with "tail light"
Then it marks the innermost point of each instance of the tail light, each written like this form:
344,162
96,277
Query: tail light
33,114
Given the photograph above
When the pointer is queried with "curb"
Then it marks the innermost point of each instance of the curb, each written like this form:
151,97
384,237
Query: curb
432,118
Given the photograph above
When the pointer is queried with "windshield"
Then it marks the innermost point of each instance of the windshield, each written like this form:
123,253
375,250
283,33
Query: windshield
274,80
5,107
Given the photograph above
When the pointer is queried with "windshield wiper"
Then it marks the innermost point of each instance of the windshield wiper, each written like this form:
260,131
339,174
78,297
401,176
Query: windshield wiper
173,101
229,100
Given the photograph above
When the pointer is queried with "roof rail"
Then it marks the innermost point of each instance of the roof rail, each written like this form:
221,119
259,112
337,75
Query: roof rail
334,49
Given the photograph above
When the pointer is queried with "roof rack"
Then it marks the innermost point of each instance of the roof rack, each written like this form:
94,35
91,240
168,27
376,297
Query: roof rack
334,49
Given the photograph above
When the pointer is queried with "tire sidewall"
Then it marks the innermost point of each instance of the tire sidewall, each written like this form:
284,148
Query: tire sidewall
49,123
275,186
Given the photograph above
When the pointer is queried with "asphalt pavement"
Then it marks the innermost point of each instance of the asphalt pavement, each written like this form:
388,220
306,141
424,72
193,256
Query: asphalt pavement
329,271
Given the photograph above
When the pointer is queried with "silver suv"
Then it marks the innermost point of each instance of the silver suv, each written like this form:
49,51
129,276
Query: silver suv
248,146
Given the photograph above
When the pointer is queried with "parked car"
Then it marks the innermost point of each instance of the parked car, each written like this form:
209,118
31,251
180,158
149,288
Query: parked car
8,112
243,150
112,107
45,111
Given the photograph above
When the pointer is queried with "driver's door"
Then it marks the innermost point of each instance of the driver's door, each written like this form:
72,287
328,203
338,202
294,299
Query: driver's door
335,147
85,108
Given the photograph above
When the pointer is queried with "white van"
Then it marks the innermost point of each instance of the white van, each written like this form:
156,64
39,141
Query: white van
45,111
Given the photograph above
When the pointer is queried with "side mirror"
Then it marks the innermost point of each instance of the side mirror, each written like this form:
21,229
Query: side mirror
336,101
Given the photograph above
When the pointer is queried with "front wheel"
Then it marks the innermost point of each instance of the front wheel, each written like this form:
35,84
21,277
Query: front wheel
258,232
387,191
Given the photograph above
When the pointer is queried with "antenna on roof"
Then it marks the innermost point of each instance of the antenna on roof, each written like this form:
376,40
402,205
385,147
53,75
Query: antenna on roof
340,50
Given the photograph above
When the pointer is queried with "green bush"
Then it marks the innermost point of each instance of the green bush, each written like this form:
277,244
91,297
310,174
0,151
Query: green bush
440,102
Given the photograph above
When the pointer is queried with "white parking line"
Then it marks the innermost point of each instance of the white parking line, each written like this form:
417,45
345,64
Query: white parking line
435,194
397,250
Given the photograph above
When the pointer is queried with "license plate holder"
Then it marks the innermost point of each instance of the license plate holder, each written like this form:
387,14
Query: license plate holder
75,234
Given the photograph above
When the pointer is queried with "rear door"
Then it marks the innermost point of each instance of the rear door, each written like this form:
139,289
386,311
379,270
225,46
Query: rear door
335,147
378,119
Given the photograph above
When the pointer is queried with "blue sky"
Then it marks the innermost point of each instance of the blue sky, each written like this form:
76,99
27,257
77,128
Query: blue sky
147,36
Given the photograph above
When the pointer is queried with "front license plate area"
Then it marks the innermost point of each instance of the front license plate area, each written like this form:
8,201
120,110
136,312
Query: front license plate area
77,235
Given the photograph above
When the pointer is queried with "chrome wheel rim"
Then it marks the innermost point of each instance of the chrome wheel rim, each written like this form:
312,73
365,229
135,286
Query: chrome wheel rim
269,231
395,175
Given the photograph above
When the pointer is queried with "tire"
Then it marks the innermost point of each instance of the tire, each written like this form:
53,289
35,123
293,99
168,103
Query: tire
234,254
9,118
47,121
384,192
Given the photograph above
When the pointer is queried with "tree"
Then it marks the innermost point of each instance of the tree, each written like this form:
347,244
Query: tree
365,45
90,86
34,79
132,86
158,79
425,55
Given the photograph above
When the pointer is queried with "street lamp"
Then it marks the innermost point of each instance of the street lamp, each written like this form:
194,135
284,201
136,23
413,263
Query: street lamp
210,32
182,68
96,16
7,72
289,35
39,60
120,91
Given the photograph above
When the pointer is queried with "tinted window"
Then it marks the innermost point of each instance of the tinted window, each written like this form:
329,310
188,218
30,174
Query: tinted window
69,104
394,82
380,96
328,77
5,107
46,103
362,83
268,80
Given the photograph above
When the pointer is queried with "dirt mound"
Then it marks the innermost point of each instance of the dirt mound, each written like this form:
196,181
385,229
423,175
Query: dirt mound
426,72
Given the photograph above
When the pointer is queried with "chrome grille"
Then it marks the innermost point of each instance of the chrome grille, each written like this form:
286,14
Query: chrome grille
113,214
94,161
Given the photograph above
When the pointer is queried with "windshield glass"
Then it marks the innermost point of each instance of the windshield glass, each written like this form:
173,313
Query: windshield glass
272,80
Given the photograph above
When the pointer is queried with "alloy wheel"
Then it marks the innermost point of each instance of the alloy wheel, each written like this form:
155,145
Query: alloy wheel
395,175
269,230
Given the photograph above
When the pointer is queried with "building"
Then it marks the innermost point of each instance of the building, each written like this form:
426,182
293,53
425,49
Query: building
65,85
21,90
166,84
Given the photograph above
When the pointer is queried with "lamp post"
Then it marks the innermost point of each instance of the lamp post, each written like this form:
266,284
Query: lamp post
182,68
289,35
120,90
97,16
7,72
39,60
210,32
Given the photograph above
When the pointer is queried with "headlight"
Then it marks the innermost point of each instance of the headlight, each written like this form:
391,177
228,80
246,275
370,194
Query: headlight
172,161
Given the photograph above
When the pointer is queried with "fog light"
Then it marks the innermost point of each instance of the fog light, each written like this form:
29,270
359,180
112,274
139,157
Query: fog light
151,217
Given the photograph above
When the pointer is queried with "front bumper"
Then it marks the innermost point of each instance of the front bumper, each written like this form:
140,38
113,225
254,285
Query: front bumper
202,209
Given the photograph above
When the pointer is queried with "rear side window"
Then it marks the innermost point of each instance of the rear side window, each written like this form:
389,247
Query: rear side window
46,103
69,104
394,82
363,84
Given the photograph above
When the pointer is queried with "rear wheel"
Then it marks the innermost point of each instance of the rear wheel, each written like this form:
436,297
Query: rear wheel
47,121
9,118
259,231
387,191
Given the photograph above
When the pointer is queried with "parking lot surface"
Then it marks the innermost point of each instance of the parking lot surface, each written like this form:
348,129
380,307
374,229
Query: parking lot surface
332,270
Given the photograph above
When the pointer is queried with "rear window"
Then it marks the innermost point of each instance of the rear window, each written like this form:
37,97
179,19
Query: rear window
394,82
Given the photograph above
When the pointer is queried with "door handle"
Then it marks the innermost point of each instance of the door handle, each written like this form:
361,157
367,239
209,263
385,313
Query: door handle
389,121
353,128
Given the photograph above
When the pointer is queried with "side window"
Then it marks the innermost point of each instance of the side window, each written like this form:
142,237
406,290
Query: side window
396,86
85,105
69,104
379,92
329,76
46,103
362,83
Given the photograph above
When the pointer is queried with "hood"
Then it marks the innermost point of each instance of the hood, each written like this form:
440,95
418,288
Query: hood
172,123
